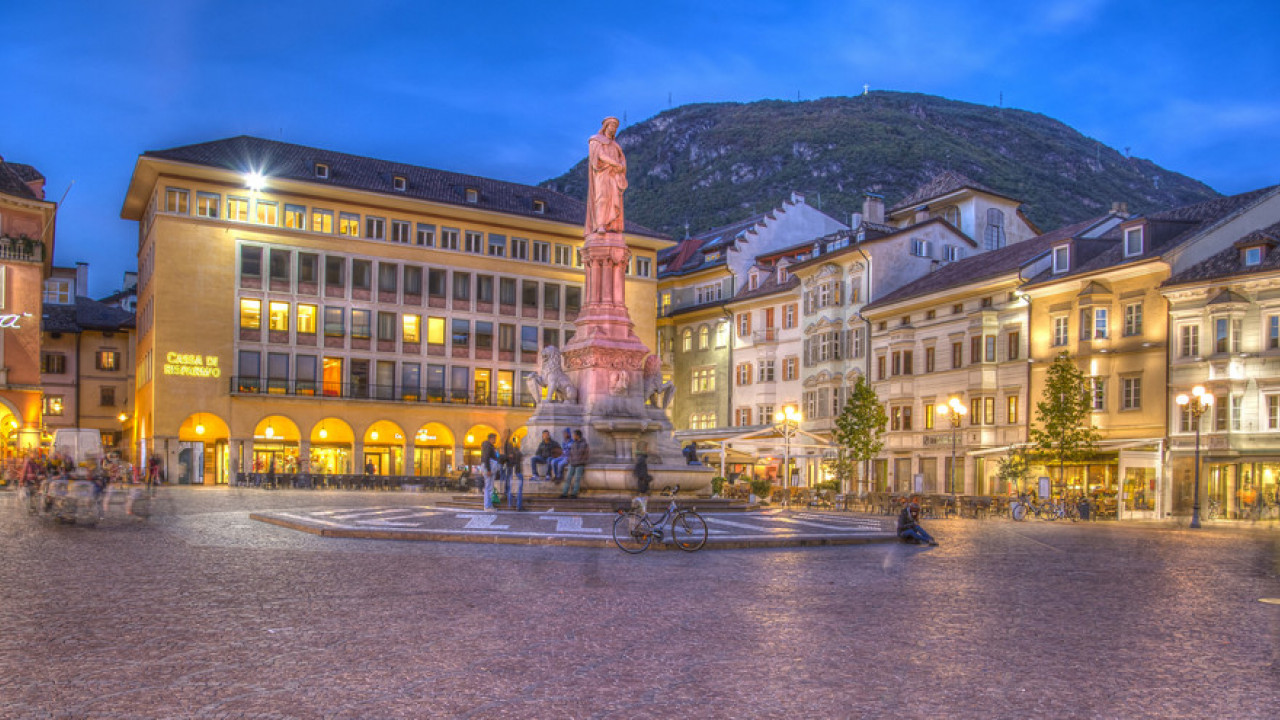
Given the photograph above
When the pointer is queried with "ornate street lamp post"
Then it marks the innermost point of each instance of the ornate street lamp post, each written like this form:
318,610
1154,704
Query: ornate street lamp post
955,410
788,422
1197,404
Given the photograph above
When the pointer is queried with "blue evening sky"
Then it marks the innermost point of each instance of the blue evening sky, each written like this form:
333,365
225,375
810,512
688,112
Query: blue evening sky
511,90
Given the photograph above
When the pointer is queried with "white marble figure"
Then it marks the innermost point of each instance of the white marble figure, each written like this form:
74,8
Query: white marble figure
551,375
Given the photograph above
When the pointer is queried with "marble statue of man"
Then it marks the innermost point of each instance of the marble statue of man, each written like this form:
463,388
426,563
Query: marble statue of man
606,180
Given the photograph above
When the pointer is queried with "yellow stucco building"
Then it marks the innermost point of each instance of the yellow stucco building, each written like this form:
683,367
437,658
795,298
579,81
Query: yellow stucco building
1100,301
327,312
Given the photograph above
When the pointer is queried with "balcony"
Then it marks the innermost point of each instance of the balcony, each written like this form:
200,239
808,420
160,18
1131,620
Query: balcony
21,249
245,386
768,335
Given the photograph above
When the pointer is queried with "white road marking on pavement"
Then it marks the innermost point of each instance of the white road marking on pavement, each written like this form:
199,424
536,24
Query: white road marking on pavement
570,524
731,523
825,526
482,522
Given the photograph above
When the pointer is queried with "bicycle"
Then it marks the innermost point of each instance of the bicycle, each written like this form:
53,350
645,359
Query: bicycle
633,532
1215,509
1019,508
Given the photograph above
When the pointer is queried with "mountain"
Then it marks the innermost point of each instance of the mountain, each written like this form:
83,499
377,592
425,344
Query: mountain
715,163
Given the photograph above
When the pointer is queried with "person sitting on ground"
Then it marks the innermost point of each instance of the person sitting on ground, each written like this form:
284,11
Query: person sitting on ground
690,453
547,449
909,530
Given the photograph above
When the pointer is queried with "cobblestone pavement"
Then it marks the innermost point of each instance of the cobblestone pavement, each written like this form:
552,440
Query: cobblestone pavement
200,612
427,521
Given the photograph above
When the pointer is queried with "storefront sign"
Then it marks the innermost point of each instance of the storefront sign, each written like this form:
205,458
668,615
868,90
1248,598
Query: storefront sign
11,320
183,364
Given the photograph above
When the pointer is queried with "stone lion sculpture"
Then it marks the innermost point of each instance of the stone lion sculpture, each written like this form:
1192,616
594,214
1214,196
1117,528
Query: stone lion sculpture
551,375
654,388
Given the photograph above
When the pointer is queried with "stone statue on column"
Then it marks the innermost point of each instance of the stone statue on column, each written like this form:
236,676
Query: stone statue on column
606,180
607,383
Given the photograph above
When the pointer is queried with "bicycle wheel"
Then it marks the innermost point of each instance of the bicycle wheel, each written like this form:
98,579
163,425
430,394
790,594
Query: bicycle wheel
1049,511
632,533
1019,512
689,530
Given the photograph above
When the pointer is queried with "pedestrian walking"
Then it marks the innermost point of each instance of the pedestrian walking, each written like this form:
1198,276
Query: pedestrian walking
489,465
513,464
579,455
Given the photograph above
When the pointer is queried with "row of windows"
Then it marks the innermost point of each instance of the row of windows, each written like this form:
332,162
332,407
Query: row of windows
363,324
982,349
359,274
746,323
328,376
702,421
982,411
404,232
55,405
763,370
55,363
1095,324
1227,336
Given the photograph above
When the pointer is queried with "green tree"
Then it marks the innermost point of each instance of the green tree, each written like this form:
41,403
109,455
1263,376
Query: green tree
1064,431
1012,469
858,429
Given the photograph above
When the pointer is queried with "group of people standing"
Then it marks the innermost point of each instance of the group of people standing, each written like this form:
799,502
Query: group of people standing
565,462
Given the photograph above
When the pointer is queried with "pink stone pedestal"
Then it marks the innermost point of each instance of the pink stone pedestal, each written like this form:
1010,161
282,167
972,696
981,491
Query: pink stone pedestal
605,361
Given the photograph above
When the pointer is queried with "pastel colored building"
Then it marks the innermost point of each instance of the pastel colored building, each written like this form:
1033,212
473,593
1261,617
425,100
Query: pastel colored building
317,311
27,225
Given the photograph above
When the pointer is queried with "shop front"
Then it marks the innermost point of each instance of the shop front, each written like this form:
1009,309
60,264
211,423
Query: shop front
331,448
1240,488
433,451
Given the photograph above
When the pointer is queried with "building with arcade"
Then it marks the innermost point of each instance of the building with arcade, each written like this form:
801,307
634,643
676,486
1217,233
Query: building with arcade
324,312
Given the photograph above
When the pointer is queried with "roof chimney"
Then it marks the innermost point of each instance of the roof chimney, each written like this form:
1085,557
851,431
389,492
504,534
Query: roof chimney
82,279
1120,208
873,208
922,214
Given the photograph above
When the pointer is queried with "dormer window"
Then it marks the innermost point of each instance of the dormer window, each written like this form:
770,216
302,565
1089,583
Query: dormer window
322,171
1133,242
1061,259
753,281
399,184
1253,256
712,256
540,207
473,195
783,275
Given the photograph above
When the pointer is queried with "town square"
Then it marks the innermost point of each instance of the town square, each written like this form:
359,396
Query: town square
591,362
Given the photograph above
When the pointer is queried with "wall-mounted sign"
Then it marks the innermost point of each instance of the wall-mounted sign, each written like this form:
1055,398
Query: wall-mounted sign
11,320
188,365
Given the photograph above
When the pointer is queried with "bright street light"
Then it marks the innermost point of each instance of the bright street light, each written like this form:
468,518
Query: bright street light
1203,401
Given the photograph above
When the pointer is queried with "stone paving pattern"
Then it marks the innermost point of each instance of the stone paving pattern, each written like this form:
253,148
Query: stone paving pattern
430,521
201,613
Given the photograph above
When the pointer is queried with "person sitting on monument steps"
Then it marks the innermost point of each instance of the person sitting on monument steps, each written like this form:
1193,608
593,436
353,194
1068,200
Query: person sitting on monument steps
579,454
559,463
489,465
547,449
690,453
909,530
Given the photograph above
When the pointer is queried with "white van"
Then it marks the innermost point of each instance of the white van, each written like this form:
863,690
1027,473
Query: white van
79,444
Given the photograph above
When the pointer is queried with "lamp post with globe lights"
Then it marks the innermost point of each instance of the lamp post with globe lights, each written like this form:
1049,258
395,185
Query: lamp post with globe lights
788,423
1197,403
955,410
